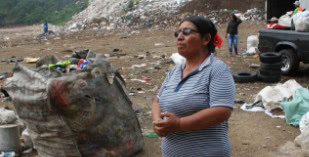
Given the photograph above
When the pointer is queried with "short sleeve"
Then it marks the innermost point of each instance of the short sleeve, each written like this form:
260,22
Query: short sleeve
222,87
167,78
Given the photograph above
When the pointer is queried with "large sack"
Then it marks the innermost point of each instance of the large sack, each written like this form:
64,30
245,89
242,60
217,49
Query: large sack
252,41
285,20
303,141
82,113
271,96
301,21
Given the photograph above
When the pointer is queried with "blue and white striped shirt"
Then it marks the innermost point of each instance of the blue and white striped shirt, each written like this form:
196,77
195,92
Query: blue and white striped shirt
209,85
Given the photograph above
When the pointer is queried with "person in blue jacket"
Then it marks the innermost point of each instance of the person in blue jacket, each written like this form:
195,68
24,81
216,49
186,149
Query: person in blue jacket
45,27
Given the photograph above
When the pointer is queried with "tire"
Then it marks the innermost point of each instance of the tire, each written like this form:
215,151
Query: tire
271,67
269,79
290,62
270,57
244,77
270,72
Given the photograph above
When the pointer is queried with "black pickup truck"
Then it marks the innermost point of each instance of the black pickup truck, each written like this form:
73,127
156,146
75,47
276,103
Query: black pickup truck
293,46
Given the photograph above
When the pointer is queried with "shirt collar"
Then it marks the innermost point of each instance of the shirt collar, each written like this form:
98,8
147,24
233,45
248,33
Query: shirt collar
204,64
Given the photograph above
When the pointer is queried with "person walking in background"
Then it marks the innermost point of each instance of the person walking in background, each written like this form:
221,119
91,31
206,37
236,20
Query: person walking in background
45,28
232,33
196,98
297,7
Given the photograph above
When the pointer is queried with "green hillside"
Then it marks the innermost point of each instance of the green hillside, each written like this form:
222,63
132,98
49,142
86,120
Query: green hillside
26,12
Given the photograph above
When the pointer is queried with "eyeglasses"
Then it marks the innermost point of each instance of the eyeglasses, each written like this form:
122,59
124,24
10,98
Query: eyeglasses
185,31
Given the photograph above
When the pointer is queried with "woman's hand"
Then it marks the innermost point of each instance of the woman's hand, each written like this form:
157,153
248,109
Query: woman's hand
169,125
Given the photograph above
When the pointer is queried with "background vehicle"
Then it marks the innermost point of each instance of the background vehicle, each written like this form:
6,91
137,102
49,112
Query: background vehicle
293,46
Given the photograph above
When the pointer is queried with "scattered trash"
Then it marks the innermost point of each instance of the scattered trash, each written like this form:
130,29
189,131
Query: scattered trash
143,81
157,67
249,108
5,75
254,66
116,50
228,62
26,141
146,79
31,60
178,59
60,66
7,154
27,151
138,66
7,116
151,135
12,60
158,44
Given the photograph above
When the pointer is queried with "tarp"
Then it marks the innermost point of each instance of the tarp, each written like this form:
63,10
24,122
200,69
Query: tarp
81,113
297,107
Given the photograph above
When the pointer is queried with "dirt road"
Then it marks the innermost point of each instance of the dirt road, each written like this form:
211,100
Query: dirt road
251,134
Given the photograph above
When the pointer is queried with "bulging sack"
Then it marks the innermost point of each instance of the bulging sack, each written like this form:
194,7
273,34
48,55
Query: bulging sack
81,113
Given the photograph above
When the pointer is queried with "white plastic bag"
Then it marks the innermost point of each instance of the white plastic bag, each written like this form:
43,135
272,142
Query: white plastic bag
301,21
251,50
285,20
304,122
7,116
303,141
178,59
252,41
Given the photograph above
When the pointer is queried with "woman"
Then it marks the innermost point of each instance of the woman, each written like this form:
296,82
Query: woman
231,33
196,99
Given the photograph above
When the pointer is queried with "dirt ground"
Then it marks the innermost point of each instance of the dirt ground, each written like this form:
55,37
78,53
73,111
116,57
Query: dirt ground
251,134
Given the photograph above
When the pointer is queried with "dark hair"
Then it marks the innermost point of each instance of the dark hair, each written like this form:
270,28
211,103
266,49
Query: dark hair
234,17
204,26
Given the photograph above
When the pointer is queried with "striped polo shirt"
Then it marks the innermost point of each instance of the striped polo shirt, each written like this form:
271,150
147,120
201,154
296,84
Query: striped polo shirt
209,85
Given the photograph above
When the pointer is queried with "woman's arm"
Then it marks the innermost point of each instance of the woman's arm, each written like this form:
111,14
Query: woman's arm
156,118
203,119
156,112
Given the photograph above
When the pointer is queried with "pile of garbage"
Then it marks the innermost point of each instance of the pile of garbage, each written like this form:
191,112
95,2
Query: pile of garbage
300,21
138,14
290,98
77,107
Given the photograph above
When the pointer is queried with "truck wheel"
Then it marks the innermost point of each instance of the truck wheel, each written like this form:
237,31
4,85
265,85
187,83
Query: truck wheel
290,61
270,57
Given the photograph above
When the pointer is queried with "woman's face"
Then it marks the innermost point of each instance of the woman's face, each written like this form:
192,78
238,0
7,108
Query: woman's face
232,18
192,44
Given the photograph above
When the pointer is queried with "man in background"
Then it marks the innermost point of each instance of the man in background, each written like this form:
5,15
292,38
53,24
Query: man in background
297,7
